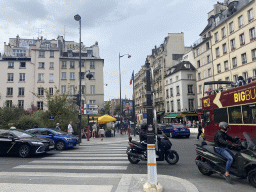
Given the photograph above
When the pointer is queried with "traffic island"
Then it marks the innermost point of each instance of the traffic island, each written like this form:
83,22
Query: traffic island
152,188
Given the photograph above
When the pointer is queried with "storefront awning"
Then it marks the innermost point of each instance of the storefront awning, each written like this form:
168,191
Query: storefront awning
171,116
186,114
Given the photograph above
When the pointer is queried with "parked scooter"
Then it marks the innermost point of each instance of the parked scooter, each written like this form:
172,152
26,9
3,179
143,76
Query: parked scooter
137,151
244,163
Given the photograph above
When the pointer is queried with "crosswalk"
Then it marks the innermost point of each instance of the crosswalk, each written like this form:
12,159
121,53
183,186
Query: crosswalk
84,163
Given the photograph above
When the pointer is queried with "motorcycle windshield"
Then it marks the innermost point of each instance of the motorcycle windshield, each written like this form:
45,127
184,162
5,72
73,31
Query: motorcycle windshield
251,143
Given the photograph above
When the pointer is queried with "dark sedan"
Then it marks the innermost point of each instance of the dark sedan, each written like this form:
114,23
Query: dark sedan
21,143
175,130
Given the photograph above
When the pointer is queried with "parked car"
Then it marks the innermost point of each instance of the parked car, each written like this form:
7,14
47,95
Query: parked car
21,143
175,130
62,139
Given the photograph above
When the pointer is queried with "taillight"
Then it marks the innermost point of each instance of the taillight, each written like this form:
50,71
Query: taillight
175,129
131,144
188,129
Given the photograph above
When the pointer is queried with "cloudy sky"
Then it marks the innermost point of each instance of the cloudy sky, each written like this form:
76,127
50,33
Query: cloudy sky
120,26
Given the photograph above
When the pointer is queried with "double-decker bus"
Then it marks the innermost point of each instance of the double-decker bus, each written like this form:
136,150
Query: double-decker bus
234,105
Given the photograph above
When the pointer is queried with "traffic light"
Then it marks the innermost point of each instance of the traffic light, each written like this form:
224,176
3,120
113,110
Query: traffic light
76,99
89,76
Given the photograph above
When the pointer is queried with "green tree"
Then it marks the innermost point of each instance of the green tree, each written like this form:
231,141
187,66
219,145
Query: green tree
117,109
107,107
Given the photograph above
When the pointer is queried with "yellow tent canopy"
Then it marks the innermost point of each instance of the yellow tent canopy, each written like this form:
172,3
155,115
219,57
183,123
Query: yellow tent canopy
106,119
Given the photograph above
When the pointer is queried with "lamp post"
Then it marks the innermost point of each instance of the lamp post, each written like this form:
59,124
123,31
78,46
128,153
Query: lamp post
78,18
120,85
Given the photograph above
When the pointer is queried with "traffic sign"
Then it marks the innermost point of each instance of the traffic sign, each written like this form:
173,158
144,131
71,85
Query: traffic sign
90,112
89,106
51,118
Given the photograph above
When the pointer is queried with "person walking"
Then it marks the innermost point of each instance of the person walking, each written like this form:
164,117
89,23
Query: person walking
94,127
125,127
199,130
70,128
57,127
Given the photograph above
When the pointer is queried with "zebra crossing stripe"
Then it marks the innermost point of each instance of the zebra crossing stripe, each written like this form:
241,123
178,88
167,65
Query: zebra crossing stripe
83,158
89,154
70,167
79,162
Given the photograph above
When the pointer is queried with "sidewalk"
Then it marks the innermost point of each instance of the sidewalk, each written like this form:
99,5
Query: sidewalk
135,182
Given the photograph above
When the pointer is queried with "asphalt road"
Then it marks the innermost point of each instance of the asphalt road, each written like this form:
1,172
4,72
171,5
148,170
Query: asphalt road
111,158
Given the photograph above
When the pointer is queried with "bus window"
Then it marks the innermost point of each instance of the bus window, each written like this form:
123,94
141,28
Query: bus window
220,115
249,114
207,119
235,115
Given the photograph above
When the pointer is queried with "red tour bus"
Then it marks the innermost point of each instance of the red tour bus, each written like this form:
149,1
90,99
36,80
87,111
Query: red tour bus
234,105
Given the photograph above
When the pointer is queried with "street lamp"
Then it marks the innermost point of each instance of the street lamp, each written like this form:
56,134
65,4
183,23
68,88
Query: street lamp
78,18
120,84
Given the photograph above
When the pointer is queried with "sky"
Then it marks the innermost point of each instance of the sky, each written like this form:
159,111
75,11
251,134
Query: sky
119,26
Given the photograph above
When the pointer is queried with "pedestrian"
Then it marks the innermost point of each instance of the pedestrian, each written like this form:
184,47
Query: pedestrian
94,127
125,127
199,130
57,127
70,128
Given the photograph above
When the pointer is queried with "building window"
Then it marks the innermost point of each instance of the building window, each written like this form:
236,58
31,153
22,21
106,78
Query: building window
252,33
178,104
21,91
51,90
231,27
92,89
10,77
72,64
190,76
198,63
200,102
199,76
178,90
233,44
224,46
235,77
167,106
92,101
40,91
82,75
253,54
244,59
92,65
240,21
41,77
209,72
63,75
41,65
172,109
51,77
72,89
9,103
245,75
254,73
72,75
216,37
250,15
223,31
166,82
171,92
40,105
190,89
10,65
207,46
242,39
218,68
234,62
51,53
217,52
226,78
200,88
83,89
82,64
22,76
170,80
226,65
191,104
9,91
197,52
64,64
63,89
177,78
51,65
167,93
21,103
22,64
208,59
41,53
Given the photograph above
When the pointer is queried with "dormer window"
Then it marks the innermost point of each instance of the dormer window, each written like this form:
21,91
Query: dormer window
232,7
172,70
187,66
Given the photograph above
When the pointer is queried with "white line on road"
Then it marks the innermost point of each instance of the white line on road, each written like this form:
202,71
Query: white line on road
89,154
83,158
81,162
70,167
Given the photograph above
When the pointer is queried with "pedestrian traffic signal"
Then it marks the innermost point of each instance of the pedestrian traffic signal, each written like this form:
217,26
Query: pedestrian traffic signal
76,99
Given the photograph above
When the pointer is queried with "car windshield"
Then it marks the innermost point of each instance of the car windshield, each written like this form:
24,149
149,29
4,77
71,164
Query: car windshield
21,134
251,143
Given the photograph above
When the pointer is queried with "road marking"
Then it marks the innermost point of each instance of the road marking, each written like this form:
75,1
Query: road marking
70,167
89,154
81,162
83,158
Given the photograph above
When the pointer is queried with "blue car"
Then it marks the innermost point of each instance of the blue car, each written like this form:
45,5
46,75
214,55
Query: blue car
62,140
175,130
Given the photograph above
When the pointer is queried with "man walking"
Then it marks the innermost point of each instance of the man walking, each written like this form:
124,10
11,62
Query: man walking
70,129
199,130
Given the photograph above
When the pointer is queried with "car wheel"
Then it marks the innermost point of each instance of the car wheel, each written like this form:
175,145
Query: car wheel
24,151
60,145
252,177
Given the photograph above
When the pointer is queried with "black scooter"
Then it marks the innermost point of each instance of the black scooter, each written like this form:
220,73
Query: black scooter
244,163
137,151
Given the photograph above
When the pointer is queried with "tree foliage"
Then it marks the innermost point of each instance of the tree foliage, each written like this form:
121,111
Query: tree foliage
107,107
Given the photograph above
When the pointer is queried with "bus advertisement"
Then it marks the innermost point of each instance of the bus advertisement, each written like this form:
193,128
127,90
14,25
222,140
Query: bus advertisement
235,105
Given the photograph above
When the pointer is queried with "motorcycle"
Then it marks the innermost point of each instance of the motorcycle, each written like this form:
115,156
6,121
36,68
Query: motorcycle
244,163
137,151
